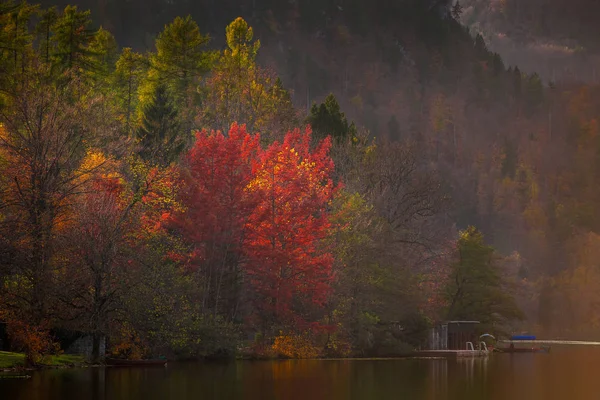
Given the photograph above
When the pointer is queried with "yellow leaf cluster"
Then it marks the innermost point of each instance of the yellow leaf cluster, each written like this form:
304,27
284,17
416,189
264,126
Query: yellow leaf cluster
93,160
295,346
96,162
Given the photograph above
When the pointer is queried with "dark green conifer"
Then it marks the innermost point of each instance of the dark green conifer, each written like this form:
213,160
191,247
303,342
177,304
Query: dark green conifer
327,119
159,135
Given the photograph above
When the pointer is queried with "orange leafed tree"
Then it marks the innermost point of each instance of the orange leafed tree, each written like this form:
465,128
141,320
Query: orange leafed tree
289,267
113,217
43,140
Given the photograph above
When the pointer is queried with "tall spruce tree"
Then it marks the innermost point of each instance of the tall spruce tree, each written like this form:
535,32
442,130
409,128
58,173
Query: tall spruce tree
159,135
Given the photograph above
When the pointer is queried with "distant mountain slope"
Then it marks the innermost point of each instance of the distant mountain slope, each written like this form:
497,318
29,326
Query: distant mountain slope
557,38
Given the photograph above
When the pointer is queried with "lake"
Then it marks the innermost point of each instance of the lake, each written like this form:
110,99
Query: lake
570,373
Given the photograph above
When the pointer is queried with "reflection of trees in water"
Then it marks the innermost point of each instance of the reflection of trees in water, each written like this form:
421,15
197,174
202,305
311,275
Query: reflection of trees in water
293,379
438,376
454,379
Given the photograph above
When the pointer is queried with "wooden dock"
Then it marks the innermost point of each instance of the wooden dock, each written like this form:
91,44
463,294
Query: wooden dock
451,354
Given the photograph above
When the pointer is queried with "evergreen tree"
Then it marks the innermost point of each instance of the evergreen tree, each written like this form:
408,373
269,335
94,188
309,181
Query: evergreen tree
517,82
327,119
72,38
129,71
159,134
180,62
181,55
480,47
533,93
476,290
45,30
103,50
15,38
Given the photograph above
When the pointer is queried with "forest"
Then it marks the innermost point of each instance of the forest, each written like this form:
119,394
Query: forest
204,196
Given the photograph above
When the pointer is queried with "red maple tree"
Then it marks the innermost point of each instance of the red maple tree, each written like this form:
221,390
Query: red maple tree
217,206
288,264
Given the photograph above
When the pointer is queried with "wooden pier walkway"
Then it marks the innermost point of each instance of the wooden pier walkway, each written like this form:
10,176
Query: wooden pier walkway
451,354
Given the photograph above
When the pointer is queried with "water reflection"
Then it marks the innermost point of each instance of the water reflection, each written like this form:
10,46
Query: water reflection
438,379
564,374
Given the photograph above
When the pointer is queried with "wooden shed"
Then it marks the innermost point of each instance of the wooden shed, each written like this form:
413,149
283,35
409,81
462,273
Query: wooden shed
453,335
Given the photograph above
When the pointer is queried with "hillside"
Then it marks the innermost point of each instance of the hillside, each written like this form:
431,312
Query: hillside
556,38
407,70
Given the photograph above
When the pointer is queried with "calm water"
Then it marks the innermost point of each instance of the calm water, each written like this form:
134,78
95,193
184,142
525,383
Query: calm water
566,373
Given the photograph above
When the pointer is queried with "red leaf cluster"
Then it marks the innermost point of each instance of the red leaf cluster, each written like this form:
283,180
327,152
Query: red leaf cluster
266,211
287,260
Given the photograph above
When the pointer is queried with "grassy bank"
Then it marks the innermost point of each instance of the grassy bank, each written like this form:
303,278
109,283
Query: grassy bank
10,360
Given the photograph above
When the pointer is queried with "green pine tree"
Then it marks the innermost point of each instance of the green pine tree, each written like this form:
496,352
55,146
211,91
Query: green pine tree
476,290
159,135
103,51
45,30
16,40
72,38
510,160
517,80
327,119
181,57
130,69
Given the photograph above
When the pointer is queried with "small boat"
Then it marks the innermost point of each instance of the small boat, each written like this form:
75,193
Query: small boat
121,362
523,338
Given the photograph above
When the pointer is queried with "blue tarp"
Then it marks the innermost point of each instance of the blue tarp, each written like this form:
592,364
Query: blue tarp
522,337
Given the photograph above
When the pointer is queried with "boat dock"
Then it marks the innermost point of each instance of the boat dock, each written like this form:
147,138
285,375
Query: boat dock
454,340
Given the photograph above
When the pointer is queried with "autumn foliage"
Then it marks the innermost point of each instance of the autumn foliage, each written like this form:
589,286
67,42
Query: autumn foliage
217,205
261,213
33,340
295,346
287,260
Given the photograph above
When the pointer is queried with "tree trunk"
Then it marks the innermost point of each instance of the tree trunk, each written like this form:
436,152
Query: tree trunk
96,338
97,317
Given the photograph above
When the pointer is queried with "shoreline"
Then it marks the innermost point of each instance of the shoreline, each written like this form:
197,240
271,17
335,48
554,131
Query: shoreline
21,368
42,367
